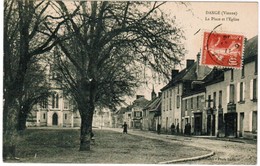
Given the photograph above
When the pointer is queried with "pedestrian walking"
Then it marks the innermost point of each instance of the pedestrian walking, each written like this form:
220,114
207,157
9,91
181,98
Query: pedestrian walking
177,128
189,129
159,129
172,128
124,128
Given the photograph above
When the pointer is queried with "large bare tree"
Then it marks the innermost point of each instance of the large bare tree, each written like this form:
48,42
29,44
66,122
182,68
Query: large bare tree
108,43
25,38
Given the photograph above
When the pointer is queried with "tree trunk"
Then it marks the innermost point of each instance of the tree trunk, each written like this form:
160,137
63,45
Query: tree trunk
22,120
86,127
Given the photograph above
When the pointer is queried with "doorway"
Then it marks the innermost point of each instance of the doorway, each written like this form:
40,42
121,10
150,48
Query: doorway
54,119
231,124
197,123
241,128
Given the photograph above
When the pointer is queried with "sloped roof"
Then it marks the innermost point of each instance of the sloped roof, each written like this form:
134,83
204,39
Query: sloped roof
189,74
153,104
251,49
192,74
177,78
140,102
122,110
216,75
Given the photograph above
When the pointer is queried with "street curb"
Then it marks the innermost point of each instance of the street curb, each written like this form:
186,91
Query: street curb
188,159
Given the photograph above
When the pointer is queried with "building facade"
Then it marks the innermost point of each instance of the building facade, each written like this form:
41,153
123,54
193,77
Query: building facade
57,110
194,112
152,113
134,114
232,100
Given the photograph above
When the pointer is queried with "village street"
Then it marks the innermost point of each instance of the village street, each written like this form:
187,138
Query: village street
226,152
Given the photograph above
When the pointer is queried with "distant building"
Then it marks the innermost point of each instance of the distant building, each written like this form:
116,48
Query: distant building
102,118
118,117
152,113
134,114
56,110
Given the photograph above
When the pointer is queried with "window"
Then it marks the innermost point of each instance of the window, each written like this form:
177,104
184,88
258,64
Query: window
44,116
178,89
220,99
198,99
241,91
44,103
254,89
53,100
209,100
163,105
214,99
186,104
66,103
141,114
232,74
254,121
178,101
57,100
134,114
256,63
231,93
243,72
170,103
167,94
65,116
191,103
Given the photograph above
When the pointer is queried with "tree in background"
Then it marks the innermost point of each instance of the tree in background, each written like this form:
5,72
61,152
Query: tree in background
108,45
25,38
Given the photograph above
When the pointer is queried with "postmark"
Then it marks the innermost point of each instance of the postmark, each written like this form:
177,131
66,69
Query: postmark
222,50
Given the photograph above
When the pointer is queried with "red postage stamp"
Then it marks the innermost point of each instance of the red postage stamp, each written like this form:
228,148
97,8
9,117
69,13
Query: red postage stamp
222,49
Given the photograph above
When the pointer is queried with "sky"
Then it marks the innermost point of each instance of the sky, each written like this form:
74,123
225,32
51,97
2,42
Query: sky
234,17
191,17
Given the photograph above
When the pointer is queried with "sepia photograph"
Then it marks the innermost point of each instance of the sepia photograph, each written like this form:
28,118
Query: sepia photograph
129,82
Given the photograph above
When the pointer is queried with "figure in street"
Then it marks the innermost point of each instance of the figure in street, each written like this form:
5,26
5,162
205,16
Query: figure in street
158,128
177,128
124,128
172,128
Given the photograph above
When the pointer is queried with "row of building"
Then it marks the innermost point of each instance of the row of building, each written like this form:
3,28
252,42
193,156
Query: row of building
217,102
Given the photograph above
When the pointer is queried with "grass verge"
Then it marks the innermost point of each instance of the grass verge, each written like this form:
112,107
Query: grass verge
61,146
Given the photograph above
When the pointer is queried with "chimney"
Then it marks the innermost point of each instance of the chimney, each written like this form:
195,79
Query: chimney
153,94
189,62
198,64
174,73
139,96
160,94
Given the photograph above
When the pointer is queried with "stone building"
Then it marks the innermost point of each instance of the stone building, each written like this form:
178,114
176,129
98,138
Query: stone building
152,113
134,114
232,98
56,110
241,115
215,103
102,118
118,117
183,84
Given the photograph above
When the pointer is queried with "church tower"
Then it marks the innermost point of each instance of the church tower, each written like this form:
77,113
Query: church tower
153,94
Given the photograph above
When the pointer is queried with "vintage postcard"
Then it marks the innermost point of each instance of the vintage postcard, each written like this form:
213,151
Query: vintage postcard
130,82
